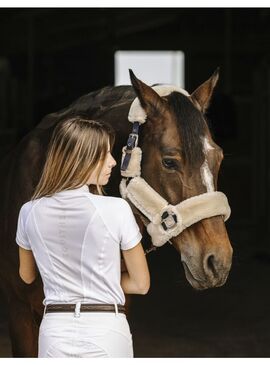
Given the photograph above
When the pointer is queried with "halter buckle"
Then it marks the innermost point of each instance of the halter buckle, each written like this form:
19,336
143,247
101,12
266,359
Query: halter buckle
169,220
132,141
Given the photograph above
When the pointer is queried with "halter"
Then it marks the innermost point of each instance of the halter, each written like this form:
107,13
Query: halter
166,220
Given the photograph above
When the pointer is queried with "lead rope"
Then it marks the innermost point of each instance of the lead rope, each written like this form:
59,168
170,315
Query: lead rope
153,248
148,250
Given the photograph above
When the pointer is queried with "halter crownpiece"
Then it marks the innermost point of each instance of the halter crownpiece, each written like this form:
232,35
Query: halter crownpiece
137,113
166,220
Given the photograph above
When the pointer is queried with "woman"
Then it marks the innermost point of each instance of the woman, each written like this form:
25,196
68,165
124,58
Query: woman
74,234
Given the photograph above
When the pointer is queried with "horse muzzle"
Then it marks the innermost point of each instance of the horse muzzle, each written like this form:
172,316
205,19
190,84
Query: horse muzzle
206,253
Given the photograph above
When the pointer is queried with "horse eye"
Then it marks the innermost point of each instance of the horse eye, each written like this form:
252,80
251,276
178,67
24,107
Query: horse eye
169,163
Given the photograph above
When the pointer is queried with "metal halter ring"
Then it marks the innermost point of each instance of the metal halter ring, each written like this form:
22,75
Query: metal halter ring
169,220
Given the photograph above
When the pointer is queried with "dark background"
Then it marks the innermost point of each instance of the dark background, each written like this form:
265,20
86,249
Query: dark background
50,57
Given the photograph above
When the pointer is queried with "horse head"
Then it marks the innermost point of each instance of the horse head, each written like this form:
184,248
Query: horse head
180,160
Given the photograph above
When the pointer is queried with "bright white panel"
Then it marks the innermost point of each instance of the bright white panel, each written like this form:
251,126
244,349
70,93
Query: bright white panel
152,67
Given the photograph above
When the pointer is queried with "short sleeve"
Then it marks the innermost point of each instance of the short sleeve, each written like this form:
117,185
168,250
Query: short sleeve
21,236
130,232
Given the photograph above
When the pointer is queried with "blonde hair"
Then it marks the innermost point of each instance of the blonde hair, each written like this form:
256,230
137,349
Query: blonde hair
77,147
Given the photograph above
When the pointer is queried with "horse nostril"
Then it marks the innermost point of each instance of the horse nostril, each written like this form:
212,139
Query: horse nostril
210,265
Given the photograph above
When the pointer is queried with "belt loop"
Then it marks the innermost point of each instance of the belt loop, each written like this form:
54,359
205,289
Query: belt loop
116,308
44,310
77,310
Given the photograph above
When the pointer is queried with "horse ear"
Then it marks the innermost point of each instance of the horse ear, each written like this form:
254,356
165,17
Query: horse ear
203,93
150,101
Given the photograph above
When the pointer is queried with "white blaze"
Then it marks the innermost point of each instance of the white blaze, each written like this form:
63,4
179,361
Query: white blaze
206,174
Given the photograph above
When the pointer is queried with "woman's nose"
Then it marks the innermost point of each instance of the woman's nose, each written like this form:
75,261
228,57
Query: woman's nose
112,162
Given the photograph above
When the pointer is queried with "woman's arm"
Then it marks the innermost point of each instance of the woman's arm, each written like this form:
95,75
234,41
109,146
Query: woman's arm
27,269
136,280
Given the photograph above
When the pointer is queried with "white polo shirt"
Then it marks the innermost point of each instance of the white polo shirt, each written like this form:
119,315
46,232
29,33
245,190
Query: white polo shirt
75,237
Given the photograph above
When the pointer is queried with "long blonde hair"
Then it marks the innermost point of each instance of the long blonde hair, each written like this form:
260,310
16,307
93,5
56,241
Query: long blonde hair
78,145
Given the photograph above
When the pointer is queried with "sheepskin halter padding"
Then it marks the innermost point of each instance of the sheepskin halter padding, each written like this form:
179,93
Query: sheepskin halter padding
177,217
166,220
137,113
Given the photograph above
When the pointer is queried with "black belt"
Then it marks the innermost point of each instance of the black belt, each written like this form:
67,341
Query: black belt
50,308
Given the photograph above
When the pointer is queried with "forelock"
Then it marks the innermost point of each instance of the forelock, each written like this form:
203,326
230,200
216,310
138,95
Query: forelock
191,125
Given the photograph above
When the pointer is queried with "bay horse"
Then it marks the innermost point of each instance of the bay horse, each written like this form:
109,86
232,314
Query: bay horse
180,160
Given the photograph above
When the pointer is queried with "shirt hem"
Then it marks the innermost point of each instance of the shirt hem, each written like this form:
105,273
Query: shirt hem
23,246
132,243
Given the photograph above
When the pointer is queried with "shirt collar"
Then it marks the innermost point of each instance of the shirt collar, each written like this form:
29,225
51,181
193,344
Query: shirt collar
79,190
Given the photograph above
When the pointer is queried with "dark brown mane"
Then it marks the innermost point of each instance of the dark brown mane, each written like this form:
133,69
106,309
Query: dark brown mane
191,126
103,99
94,103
